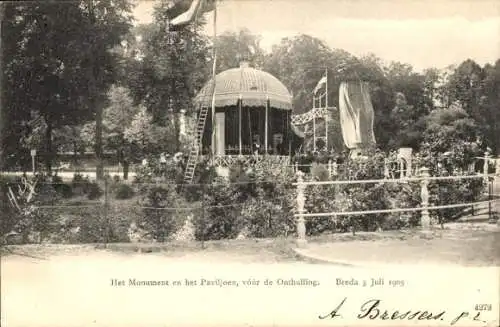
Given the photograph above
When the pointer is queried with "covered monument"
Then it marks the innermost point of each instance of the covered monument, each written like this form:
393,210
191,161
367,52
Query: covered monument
252,114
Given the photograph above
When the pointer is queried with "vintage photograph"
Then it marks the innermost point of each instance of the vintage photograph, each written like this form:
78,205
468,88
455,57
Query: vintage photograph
146,146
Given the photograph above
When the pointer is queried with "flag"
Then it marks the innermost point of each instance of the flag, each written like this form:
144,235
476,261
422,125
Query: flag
321,83
186,11
356,114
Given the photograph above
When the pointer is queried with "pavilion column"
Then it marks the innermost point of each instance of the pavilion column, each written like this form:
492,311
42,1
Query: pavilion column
240,122
266,126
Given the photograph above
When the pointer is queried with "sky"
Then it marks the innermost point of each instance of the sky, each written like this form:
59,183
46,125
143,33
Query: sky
423,33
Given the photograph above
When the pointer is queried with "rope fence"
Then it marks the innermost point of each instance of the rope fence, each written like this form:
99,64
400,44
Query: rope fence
424,178
395,210
401,180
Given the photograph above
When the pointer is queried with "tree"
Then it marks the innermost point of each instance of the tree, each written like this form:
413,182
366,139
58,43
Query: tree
145,137
431,87
404,80
476,90
68,139
60,63
490,105
452,131
465,85
116,120
108,23
172,68
299,63
2,109
409,129
234,47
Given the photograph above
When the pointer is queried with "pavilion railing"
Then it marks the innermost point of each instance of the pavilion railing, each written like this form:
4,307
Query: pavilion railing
230,160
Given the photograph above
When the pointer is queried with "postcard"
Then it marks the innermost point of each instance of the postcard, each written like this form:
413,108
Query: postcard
250,163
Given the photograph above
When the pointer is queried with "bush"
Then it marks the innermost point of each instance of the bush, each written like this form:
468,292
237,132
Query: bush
453,192
268,200
263,218
172,171
159,217
319,172
123,191
221,208
61,188
402,195
79,184
204,174
93,191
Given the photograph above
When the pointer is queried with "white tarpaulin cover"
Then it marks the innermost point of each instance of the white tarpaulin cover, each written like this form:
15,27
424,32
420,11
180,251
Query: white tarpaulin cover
356,114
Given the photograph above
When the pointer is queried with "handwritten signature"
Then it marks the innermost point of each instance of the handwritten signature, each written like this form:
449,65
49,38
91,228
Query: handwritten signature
373,310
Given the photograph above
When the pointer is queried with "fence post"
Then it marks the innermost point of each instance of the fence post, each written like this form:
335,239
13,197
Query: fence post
486,167
330,168
425,218
301,199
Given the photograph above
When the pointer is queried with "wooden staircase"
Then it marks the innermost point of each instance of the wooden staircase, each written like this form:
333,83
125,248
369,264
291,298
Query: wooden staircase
197,145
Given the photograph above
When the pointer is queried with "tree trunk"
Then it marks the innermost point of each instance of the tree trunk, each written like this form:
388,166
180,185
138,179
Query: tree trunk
75,153
177,131
98,141
96,106
48,146
125,169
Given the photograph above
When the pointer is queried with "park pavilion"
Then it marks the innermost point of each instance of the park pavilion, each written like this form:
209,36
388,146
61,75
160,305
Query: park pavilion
253,112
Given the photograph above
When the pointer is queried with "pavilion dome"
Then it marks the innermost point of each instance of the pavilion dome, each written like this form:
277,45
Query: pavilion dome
254,87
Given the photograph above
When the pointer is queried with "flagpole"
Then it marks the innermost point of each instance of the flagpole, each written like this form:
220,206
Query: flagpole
213,77
327,112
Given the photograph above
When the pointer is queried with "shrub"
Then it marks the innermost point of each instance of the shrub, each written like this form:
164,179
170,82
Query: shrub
402,195
159,216
263,218
453,192
267,210
204,174
79,184
321,198
319,172
93,191
171,171
218,219
123,191
61,188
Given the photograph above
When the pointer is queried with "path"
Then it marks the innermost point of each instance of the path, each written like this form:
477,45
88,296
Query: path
67,176
459,244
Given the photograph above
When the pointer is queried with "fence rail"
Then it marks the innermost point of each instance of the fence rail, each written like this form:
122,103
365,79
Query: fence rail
367,212
424,178
401,180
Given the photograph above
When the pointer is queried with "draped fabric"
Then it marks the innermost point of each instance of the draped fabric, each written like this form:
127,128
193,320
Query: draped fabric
356,114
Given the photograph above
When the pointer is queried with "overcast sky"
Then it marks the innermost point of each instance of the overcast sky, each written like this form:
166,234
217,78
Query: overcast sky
434,33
